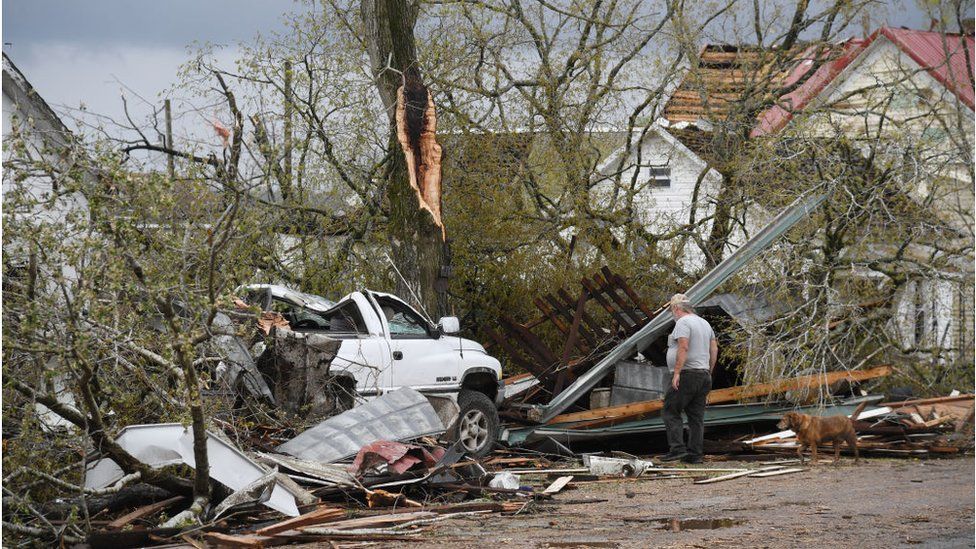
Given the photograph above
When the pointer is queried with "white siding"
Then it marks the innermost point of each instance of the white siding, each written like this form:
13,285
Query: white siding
657,208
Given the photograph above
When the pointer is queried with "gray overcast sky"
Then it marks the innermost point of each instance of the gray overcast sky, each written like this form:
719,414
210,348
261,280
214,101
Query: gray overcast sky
76,52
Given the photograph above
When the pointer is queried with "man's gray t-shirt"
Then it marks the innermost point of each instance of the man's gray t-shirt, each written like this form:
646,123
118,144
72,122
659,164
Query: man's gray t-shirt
700,335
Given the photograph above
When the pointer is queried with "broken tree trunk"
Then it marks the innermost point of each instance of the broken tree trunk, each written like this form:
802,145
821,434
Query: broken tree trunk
413,178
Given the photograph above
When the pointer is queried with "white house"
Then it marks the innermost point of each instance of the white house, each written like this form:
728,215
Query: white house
29,120
922,83
664,178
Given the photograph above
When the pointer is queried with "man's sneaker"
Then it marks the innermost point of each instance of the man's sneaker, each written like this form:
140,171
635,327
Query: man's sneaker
691,459
670,456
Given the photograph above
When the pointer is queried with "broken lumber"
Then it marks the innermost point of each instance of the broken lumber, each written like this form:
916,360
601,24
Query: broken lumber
217,539
384,520
924,401
558,485
605,417
731,476
143,512
777,472
318,516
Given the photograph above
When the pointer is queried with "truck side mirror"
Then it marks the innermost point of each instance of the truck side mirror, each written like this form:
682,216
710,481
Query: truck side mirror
449,324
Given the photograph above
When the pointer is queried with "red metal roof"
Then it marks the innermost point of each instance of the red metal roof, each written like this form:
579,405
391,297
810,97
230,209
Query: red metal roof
949,58
942,55
777,116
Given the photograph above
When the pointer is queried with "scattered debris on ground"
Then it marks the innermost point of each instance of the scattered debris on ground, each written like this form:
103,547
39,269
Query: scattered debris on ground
396,490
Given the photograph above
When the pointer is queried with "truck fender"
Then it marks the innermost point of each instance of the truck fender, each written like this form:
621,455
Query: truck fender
481,379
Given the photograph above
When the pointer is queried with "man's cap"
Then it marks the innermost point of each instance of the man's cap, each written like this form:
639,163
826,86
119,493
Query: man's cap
679,299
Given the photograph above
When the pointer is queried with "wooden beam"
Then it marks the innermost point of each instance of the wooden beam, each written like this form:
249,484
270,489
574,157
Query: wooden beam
594,326
633,318
569,312
544,356
574,330
596,292
551,314
619,281
604,417
511,352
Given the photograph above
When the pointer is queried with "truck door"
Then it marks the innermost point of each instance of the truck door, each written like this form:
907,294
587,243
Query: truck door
364,351
421,359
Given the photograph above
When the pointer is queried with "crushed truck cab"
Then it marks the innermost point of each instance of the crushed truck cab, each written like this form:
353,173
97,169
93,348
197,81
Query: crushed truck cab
385,344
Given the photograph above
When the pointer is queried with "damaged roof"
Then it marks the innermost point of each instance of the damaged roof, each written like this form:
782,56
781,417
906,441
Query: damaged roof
728,76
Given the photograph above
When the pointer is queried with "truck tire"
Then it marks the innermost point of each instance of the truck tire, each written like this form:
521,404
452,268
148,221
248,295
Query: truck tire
477,424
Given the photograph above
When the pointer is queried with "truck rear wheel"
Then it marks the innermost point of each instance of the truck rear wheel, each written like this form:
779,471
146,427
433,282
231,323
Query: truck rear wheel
477,424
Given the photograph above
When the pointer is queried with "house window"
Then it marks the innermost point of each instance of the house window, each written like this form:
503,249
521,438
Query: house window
926,314
658,176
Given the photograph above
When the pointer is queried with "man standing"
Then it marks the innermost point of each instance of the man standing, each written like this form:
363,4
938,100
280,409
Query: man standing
692,353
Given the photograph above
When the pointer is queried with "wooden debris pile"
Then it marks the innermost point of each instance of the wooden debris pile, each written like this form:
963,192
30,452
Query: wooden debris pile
588,325
388,494
913,428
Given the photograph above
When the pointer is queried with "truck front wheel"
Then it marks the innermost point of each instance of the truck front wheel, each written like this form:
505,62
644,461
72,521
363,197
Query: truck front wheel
477,424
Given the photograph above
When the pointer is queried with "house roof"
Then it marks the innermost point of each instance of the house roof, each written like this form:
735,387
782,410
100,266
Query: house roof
724,75
948,58
20,90
777,116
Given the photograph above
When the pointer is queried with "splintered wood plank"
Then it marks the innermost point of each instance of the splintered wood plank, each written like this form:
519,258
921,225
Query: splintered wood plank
318,516
381,520
731,476
143,512
558,485
216,539
777,472
602,417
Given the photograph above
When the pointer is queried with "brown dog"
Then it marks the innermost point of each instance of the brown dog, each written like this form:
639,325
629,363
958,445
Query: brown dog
813,430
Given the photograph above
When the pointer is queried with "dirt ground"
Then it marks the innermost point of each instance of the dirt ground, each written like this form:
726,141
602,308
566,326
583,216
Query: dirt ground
879,503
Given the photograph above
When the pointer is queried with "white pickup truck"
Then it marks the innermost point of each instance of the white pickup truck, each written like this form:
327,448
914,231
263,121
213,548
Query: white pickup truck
386,344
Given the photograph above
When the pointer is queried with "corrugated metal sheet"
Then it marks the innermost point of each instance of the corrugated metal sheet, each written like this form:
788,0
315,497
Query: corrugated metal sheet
746,308
799,209
715,417
401,415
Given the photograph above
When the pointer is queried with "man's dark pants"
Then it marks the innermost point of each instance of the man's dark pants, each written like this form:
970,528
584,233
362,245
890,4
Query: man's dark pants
693,387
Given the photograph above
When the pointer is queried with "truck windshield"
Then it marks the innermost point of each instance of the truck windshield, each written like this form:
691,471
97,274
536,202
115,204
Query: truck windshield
403,321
